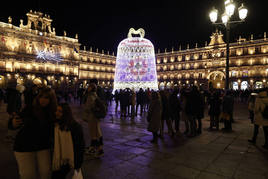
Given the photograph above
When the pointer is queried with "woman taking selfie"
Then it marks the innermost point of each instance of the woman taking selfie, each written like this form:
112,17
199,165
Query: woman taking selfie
33,140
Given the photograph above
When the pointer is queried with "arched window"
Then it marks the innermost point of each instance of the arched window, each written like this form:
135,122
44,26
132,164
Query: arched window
47,30
39,26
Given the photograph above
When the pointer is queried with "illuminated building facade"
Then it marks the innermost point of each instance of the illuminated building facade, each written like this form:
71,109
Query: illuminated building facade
206,65
34,52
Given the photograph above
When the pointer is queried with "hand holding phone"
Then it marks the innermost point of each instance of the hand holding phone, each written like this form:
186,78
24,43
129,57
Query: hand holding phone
17,122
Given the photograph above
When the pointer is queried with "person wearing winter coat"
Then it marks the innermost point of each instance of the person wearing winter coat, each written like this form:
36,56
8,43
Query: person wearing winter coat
13,98
260,104
93,122
184,116
191,111
214,109
68,146
175,109
133,103
140,100
251,104
227,110
166,113
154,116
33,140
198,105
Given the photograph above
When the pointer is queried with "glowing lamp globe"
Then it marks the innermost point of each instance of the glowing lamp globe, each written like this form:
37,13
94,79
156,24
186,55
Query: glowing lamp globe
135,63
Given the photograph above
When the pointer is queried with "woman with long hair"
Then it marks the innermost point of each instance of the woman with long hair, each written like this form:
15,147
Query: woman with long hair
33,141
69,143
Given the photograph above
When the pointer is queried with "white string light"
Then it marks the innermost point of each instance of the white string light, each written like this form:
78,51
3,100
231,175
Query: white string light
49,56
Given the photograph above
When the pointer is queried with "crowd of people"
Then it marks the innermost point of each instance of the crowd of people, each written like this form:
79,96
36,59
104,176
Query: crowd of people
171,107
50,141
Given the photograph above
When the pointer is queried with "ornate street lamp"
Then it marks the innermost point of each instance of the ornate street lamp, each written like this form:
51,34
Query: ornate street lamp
226,16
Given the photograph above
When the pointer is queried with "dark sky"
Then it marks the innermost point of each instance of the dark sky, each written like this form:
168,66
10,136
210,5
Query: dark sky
167,24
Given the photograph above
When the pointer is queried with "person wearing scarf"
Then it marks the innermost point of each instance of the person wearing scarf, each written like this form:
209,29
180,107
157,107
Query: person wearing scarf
68,147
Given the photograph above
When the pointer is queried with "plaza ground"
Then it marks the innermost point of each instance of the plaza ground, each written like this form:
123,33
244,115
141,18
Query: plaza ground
129,153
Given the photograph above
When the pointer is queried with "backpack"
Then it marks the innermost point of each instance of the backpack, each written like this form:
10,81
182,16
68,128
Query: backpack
99,109
265,113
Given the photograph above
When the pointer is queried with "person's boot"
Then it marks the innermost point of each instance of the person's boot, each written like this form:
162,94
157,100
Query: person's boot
99,151
92,149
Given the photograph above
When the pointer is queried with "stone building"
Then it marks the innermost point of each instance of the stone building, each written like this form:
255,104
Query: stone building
34,52
206,65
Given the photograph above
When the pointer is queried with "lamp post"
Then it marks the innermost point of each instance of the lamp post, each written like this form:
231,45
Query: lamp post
226,21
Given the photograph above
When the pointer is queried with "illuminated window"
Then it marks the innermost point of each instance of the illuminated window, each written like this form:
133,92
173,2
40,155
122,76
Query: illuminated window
235,85
251,50
187,57
239,51
165,60
244,85
245,73
264,49
234,73
196,56
179,58
251,61
205,55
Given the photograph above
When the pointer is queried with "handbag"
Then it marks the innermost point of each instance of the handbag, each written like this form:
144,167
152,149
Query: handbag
78,174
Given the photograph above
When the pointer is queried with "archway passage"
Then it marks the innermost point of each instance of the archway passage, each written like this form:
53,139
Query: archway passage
216,79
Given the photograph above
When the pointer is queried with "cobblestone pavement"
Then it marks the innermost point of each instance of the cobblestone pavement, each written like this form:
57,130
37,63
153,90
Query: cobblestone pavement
129,153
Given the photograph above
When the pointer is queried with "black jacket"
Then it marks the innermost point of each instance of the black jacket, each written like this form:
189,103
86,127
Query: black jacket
13,100
78,143
35,134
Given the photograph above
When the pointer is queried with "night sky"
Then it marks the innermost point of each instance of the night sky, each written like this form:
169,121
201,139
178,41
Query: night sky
103,25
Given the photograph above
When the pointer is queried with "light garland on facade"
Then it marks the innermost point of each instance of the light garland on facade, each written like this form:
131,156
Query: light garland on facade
135,63
49,56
